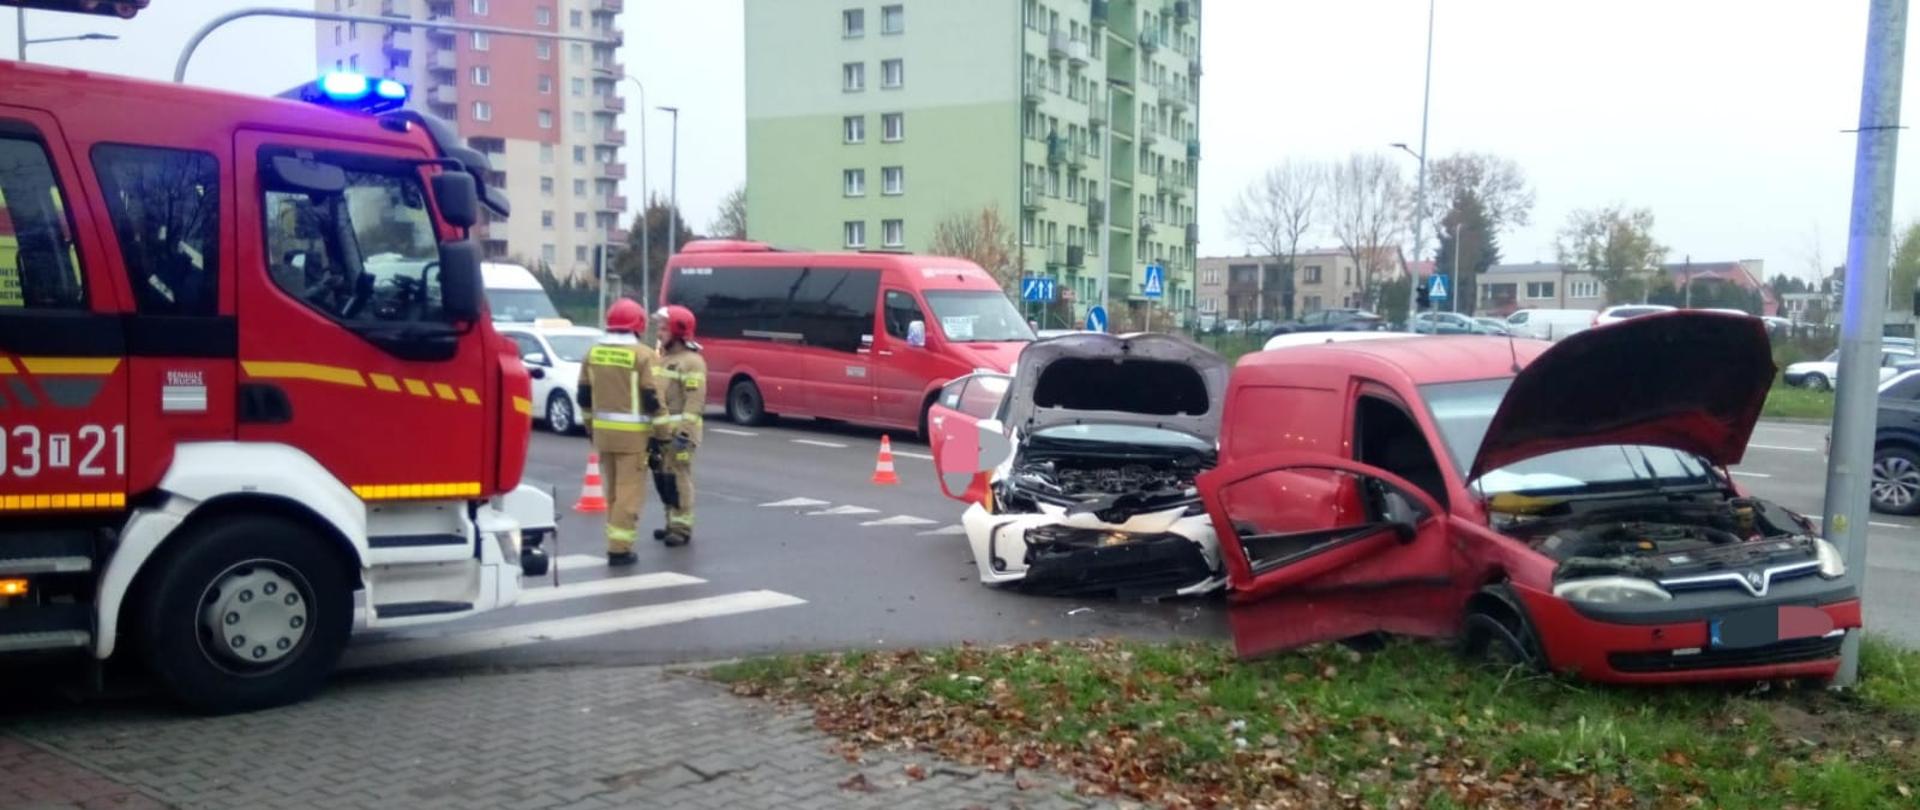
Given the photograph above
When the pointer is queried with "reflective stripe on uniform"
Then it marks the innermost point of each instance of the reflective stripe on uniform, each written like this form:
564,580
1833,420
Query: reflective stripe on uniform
612,356
633,423
674,418
683,519
620,535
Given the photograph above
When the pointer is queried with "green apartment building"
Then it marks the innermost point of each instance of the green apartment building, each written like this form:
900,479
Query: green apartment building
869,122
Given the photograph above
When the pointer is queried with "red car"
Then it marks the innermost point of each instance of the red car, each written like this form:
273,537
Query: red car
1566,506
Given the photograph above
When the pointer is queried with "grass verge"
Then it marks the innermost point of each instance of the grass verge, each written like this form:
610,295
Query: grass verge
1787,402
1186,725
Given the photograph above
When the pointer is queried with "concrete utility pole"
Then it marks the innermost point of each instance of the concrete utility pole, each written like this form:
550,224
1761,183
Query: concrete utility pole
1420,196
673,188
1869,233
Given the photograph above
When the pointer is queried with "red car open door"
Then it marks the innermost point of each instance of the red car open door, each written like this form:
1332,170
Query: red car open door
1319,548
964,456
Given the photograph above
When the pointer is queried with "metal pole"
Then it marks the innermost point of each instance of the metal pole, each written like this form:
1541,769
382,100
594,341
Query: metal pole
1106,215
186,53
1453,301
1868,244
673,188
601,282
1420,203
1686,279
20,30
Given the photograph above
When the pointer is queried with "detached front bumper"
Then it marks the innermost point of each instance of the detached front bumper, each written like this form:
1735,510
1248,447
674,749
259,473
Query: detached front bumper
1681,649
1149,556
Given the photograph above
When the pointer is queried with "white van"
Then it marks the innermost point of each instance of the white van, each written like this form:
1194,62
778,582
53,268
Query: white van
1549,324
515,296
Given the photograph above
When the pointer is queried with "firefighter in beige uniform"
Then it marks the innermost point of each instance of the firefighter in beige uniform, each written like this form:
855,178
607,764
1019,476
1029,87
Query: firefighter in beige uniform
617,389
682,376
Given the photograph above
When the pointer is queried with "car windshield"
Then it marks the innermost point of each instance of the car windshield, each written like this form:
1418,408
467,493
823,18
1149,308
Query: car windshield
1123,434
571,348
1464,409
977,316
520,306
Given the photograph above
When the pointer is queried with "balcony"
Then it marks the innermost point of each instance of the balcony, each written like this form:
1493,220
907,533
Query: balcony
396,43
607,6
613,202
1034,90
612,137
1056,256
1076,256
1057,44
1032,196
1100,11
1056,149
1148,137
444,94
1146,223
1176,95
1149,41
611,171
1096,211
1077,53
1096,107
1077,153
610,104
443,61
1193,150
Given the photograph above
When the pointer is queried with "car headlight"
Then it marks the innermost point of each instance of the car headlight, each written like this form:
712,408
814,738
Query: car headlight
1612,590
1832,564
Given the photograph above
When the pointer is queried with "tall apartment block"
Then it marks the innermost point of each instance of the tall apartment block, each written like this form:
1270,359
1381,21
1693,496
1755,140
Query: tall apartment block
870,122
545,112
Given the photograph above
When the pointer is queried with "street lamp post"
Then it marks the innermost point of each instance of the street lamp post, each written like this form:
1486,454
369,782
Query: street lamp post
21,41
646,248
1419,219
673,185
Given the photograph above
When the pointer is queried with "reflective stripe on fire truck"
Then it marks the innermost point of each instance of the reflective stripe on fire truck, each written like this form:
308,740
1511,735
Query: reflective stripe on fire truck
523,405
63,500
337,375
390,492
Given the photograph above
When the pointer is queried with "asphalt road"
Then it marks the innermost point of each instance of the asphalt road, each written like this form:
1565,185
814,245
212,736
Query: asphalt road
796,549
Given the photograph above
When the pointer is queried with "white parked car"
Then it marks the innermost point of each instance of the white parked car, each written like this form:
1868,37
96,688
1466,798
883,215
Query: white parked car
1291,339
514,295
1549,324
1079,469
1820,375
553,356
1616,314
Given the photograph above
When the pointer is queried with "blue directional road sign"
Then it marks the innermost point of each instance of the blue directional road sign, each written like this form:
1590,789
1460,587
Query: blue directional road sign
1156,283
1437,288
1036,288
1096,319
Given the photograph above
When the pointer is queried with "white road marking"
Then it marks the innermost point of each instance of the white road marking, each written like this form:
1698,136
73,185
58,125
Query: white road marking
576,627
602,587
913,455
817,443
797,502
1779,447
845,510
900,520
946,531
574,562
731,431
1744,474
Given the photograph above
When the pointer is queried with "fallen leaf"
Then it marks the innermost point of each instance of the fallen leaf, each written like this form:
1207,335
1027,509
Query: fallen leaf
857,782
915,772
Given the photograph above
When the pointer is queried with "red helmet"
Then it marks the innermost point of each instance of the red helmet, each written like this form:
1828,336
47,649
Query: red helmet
679,323
626,315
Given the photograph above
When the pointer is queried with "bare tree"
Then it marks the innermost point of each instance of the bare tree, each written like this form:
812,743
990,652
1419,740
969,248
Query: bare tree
1498,183
1369,206
984,238
1278,208
731,222
1616,245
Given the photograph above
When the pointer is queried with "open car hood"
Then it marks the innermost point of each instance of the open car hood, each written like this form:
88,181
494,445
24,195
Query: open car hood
1691,381
1146,380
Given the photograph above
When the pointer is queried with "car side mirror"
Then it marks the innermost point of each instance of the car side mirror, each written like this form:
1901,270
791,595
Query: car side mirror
866,341
457,198
917,334
460,290
534,359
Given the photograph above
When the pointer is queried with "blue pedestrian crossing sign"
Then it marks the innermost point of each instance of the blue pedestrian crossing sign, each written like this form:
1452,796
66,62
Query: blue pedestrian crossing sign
1437,288
1096,319
1036,288
1156,283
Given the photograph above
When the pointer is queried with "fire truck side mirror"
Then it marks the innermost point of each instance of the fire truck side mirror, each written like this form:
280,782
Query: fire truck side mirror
457,198
309,175
460,279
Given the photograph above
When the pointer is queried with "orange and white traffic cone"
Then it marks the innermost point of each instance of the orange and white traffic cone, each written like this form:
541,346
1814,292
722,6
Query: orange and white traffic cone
593,496
883,466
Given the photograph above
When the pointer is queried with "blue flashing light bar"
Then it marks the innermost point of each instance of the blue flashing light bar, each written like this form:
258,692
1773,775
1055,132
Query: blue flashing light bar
352,91
390,90
344,86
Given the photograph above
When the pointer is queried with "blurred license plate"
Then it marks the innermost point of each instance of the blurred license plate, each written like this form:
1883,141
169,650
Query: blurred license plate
1746,628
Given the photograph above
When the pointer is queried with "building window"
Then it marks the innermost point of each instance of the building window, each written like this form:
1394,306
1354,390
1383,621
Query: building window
893,19
546,85
1312,275
853,182
574,19
481,41
893,127
579,156
854,128
546,220
893,233
576,53
578,87
547,254
580,221
543,16
856,234
893,73
579,122
893,180
853,23
482,111
546,119
543,50
353,63
1539,289
482,75
579,188
480,8
546,184
580,253
853,77
337,38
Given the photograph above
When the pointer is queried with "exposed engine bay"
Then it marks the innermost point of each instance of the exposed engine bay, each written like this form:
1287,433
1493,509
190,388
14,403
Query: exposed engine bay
1111,484
1662,538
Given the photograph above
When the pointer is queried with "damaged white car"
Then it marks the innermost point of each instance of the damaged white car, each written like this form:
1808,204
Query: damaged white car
1079,468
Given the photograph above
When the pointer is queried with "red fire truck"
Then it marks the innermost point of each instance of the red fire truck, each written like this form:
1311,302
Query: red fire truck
246,379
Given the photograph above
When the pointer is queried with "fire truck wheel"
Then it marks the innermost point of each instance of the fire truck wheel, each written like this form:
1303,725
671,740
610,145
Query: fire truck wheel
244,613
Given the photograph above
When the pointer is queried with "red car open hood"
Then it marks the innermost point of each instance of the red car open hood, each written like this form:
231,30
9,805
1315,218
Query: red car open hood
1691,381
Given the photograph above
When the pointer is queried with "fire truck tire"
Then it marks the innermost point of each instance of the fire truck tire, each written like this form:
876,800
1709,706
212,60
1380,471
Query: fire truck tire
245,612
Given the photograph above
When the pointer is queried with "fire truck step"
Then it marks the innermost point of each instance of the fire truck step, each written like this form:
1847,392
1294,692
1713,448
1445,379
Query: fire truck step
402,610
58,552
45,627
415,540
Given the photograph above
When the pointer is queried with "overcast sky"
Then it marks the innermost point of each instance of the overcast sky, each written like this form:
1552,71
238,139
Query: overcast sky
1722,116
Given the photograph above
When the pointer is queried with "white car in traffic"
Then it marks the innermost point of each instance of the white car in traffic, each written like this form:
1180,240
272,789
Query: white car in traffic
553,354
1820,375
1616,314
1549,324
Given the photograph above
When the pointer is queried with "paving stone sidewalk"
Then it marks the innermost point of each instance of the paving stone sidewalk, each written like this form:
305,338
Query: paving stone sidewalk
576,738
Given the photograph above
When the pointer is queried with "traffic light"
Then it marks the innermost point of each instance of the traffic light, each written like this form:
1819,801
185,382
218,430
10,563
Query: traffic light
1421,295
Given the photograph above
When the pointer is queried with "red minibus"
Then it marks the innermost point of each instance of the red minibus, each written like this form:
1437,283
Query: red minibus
867,338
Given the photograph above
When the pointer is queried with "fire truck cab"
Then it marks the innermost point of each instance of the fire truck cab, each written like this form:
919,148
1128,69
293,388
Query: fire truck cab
250,397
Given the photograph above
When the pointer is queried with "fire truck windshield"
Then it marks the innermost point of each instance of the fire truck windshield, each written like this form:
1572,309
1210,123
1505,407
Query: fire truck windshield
367,253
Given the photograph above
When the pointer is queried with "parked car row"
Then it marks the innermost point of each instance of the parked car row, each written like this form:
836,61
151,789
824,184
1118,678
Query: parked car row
1820,375
1563,505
